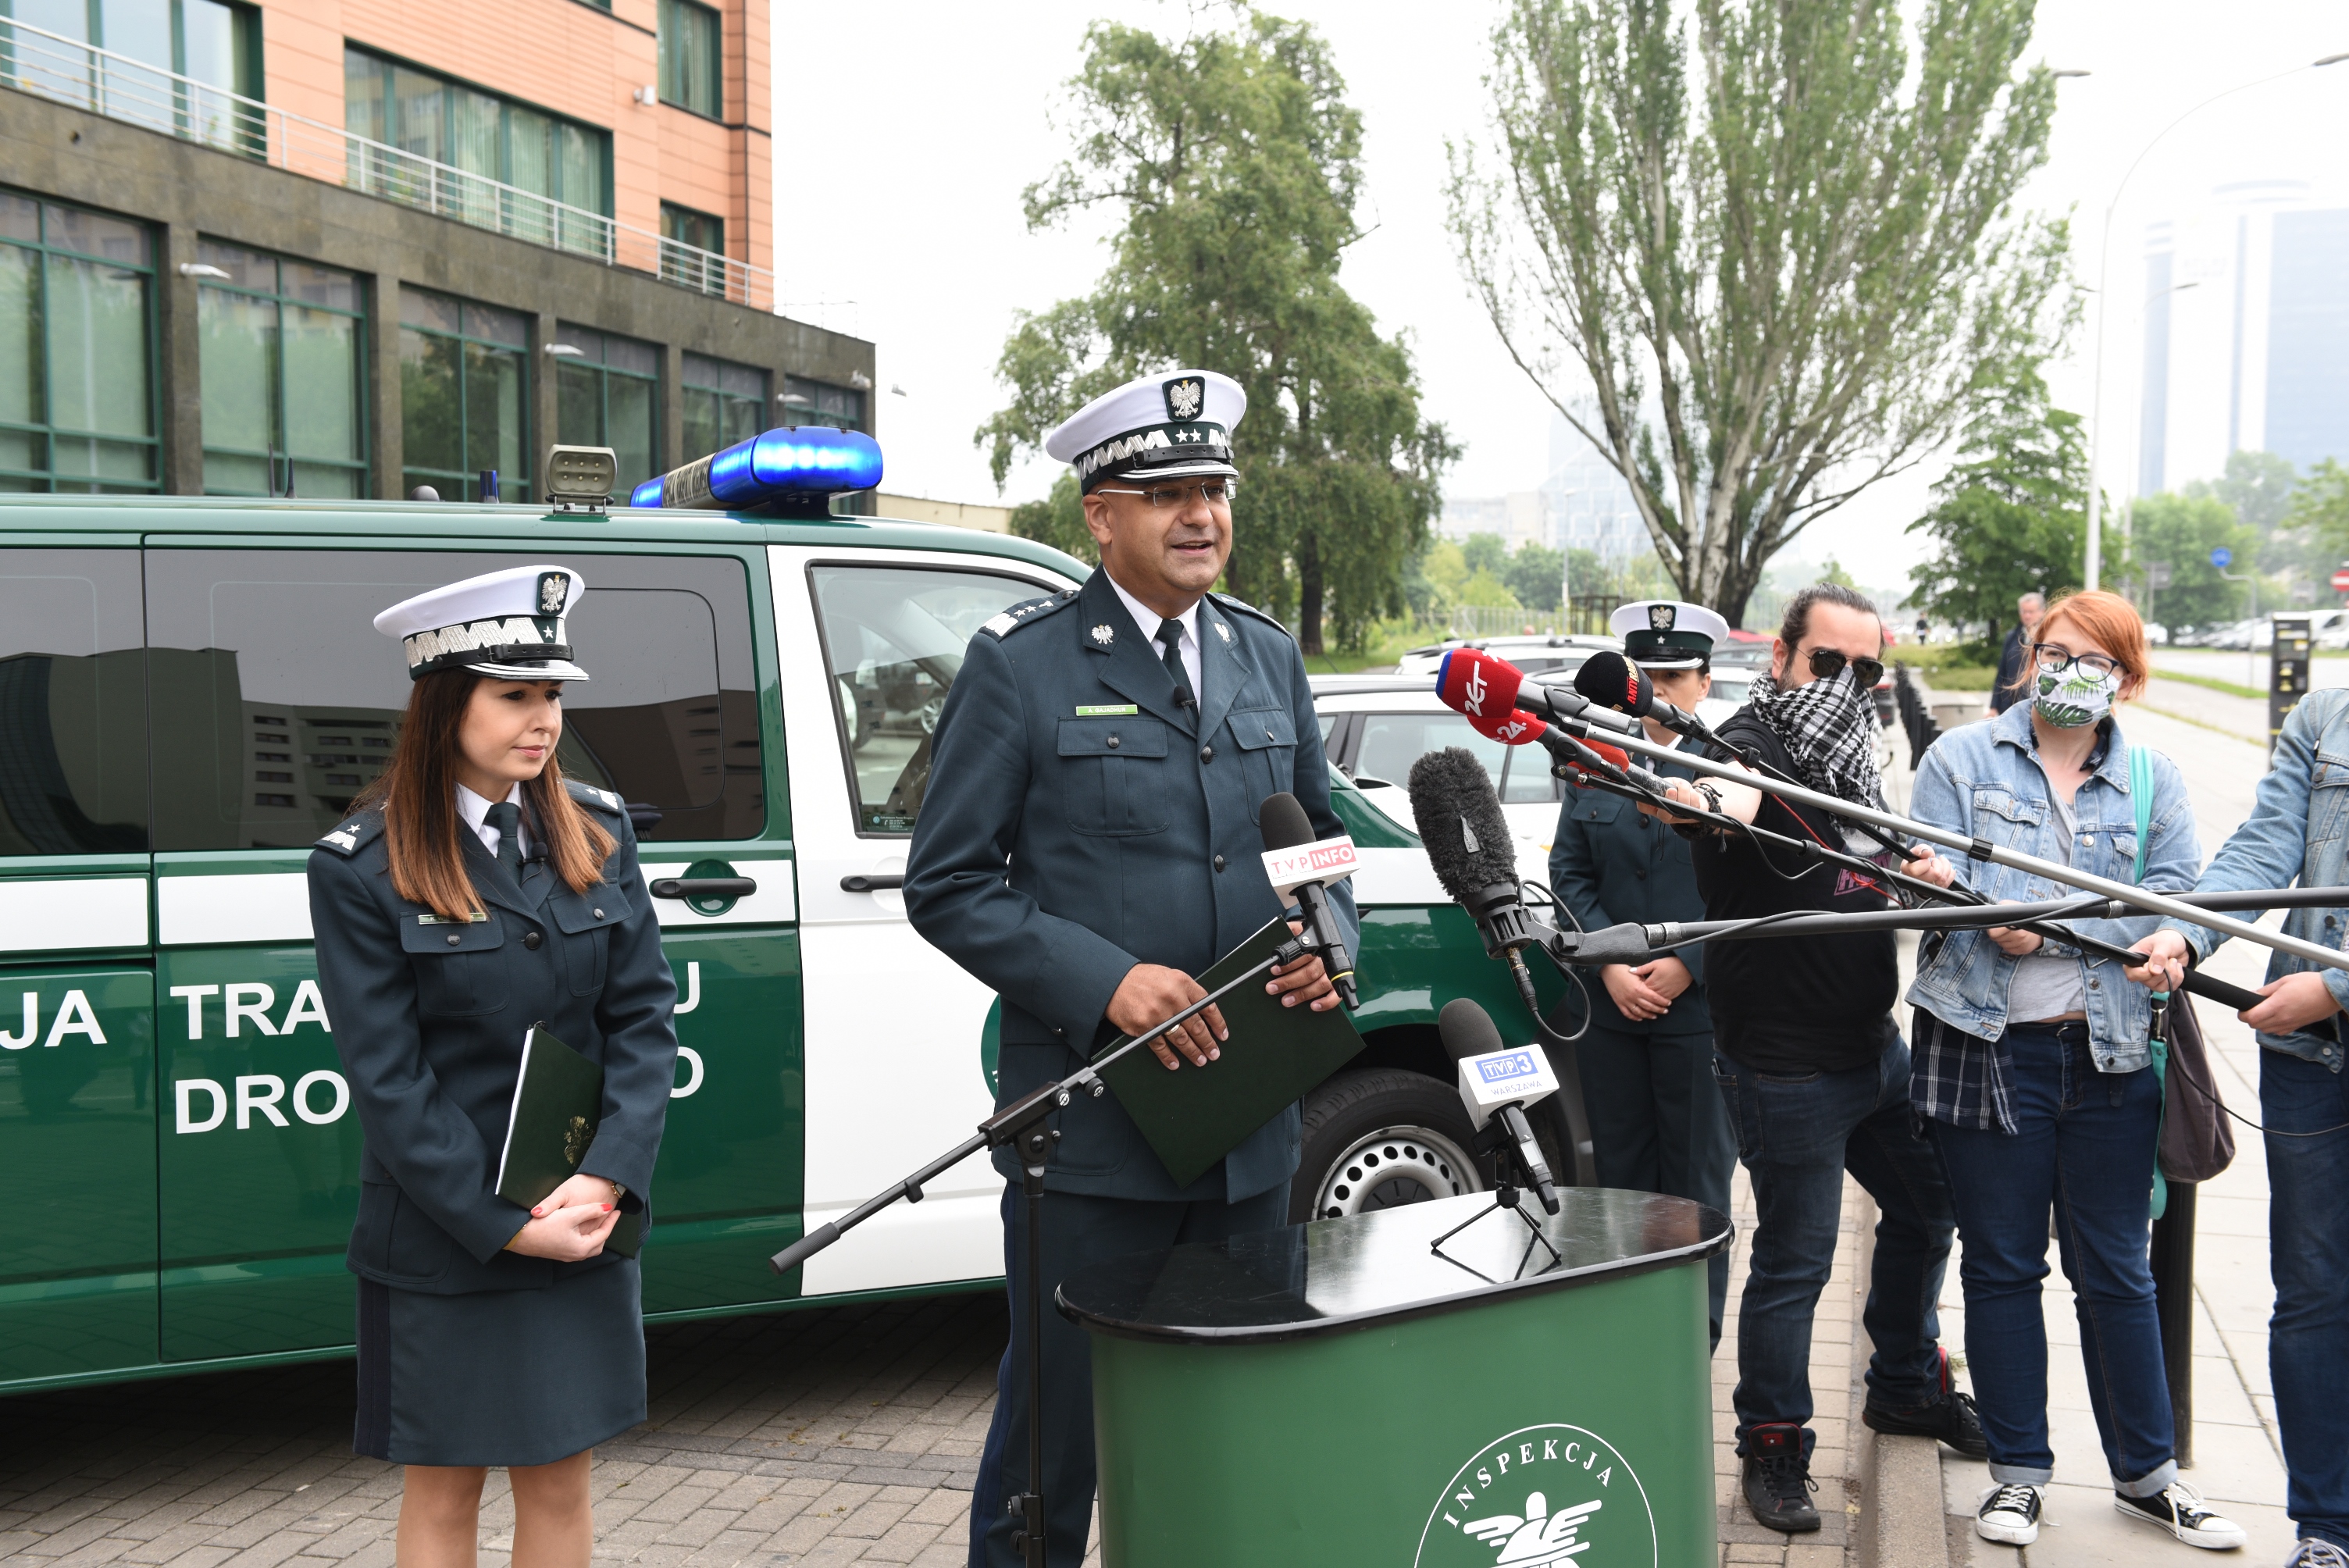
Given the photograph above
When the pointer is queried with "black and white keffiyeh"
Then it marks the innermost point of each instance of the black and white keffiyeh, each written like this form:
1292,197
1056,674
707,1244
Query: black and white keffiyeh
1829,728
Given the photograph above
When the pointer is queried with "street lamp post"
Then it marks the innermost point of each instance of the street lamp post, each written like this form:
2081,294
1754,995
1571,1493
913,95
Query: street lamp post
2094,563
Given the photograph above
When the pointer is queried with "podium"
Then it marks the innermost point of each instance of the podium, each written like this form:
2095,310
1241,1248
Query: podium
1337,1392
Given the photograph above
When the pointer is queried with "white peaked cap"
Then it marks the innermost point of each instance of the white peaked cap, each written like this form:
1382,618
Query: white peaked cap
1173,425
505,624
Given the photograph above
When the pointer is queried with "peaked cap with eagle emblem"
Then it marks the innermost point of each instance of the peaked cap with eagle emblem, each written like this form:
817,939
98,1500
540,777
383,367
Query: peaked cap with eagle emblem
505,624
1173,425
1668,635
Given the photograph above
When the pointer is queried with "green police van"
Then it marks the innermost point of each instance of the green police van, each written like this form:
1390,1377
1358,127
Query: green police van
191,693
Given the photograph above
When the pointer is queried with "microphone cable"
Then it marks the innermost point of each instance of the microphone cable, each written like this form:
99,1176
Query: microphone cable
1526,981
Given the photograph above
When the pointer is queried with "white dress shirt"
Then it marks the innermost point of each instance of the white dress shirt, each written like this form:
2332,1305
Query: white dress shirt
475,810
1149,620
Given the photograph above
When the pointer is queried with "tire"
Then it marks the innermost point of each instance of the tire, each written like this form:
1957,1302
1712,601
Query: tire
1378,1138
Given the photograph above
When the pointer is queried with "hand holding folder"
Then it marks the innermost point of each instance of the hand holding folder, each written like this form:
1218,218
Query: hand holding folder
558,1103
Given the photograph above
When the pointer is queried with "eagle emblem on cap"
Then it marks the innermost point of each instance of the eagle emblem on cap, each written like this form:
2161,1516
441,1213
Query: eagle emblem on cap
1185,396
1102,633
1660,616
554,588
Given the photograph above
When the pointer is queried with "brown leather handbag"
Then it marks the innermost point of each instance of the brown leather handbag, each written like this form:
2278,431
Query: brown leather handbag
2196,1141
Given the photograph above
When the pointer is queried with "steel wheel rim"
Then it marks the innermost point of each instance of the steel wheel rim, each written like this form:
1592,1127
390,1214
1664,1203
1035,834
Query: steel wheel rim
1379,1169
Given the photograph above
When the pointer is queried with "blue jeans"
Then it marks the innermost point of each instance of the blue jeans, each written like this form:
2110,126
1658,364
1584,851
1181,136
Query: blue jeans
2308,1243
1797,1136
2084,1144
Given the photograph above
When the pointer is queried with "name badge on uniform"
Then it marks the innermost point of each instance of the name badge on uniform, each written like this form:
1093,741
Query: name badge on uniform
478,917
1105,710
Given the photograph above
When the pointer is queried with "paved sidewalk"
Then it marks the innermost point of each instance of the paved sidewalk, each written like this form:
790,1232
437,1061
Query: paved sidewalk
2238,1464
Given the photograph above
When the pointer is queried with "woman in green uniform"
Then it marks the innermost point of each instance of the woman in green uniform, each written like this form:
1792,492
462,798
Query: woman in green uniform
470,895
1657,1123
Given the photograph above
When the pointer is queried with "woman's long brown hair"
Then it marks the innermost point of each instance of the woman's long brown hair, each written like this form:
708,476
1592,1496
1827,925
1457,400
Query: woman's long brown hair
418,792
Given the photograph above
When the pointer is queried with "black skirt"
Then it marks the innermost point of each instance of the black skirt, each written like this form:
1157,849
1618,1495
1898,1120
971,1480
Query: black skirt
500,1377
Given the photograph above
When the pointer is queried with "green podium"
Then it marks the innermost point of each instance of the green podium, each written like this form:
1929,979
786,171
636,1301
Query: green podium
1340,1393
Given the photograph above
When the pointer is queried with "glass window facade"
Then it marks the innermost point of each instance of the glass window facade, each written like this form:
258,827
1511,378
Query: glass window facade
608,395
703,233
723,403
281,347
218,45
464,395
275,702
822,403
443,144
77,349
692,50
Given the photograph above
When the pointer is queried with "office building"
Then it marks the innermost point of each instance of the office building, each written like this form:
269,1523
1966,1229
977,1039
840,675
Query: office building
346,248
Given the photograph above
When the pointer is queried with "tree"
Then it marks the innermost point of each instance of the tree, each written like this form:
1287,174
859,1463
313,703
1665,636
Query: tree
2259,487
1058,521
1234,163
2181,531
1533,575
1484,552
1784,269
2010,516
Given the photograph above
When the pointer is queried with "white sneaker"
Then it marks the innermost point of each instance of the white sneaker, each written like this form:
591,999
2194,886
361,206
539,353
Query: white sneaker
2178,1508
2008,1515
2314,1553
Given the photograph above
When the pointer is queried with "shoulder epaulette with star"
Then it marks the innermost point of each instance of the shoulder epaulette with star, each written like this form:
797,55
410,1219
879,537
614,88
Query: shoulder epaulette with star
603,800
1244,608
354,833
1026,612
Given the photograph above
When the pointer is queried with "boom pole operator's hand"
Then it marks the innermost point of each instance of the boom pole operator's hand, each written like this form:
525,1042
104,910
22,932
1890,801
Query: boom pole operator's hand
2167,955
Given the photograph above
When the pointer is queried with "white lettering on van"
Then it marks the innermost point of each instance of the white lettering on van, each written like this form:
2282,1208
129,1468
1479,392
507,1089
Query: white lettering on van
261,1092
17,1042
692,991
251,1001
74,1017
188,1089
692,1059
195,996
308,1081
308,1008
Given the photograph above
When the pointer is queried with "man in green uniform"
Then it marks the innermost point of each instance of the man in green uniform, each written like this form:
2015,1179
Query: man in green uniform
1088,843
1657,1122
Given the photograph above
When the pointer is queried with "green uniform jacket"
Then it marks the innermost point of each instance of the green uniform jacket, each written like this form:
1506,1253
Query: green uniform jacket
429,1019
1079,823
1611,865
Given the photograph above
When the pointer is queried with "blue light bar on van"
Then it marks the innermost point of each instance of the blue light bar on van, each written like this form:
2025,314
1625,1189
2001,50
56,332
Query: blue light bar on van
798,464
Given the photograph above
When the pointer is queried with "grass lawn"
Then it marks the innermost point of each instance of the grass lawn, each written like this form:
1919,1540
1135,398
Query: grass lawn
1948,666
1380,653
2233,688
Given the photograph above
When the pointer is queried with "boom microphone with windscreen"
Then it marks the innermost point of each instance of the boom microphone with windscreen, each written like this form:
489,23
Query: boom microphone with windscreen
1468,844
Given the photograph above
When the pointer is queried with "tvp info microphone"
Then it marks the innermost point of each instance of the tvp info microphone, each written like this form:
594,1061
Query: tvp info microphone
1302,867
1496,1084
1612,681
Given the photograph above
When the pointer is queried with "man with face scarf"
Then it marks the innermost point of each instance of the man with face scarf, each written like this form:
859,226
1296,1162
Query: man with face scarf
1813,1070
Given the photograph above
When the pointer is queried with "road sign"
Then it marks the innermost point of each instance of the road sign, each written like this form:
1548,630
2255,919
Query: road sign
2341,579
2221,557
2157,575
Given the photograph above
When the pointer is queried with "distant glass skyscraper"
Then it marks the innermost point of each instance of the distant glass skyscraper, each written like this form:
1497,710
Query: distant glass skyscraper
2308,339
2153,411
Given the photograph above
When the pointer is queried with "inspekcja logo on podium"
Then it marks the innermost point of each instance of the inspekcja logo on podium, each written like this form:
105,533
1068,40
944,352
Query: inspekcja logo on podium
1541,1496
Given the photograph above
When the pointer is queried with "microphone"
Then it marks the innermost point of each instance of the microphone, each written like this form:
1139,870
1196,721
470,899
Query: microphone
1468,844
1496,1084
1301,866
1612,681
1485,689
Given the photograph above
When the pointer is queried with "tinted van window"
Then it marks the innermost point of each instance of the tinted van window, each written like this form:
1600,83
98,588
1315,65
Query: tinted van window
893,639
276,701
73,710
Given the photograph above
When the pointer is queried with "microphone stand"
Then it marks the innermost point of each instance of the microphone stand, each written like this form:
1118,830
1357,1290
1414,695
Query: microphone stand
1976,849
1021,1125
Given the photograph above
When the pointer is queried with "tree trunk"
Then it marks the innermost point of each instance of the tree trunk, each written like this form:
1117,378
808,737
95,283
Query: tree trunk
1308,595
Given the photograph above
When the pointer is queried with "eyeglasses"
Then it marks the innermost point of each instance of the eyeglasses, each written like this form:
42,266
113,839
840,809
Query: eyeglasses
1214,492
1828,663
2055,659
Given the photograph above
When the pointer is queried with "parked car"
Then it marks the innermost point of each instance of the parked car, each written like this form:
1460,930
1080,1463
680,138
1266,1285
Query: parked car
1532,655
190,695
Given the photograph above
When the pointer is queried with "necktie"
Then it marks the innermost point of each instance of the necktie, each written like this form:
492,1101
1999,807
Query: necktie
506,818
1170,637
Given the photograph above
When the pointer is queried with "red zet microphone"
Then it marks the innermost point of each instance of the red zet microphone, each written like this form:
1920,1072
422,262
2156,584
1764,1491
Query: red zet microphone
1479,686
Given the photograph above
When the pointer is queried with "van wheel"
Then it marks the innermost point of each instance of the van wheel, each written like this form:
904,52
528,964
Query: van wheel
1379,1137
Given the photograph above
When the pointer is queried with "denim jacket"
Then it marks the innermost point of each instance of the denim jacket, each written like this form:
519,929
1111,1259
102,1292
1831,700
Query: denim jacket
1985,781
2298,828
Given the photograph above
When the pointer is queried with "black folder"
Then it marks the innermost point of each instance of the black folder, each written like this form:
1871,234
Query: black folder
1193,1117
558,1103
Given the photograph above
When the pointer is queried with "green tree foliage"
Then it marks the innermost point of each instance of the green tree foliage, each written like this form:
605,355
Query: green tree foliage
1484,552
2259,487
1058,521
2319,510
2009,517
1783,266
2182,530
1533,575
1233,164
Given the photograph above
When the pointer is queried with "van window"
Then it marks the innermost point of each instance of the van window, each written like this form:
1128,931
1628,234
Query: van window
73,713
1390,742
893,638
276,702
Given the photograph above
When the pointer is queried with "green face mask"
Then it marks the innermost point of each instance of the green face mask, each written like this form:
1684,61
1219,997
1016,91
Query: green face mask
2074,697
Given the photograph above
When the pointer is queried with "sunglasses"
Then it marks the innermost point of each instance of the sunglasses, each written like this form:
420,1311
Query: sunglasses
1827,662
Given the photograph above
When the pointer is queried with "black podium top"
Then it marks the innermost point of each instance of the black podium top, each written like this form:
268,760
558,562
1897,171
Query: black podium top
1334,1274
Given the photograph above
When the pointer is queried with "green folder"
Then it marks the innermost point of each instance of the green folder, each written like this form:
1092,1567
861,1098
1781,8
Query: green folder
1195,1115
558,1102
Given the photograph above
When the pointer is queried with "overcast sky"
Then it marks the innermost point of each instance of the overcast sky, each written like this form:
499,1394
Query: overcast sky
905,130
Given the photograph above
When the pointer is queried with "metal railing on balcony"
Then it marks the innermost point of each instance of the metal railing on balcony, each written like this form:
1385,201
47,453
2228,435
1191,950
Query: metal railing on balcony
34,60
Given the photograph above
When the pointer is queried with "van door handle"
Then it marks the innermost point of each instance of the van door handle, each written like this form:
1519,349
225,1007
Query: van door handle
704,887
874,882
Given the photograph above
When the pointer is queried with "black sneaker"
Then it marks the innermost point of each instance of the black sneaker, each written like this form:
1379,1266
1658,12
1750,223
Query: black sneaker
2178,1508
2008,1515
1948,1417
1778,1483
